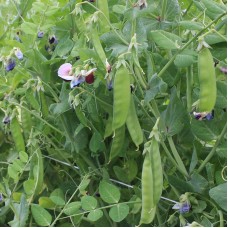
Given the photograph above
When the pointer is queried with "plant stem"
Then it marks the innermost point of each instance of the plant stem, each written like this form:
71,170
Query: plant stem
212,152
164,5
177,156
221,219
187,44
189,81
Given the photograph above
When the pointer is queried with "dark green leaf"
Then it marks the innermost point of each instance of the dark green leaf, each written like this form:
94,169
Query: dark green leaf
219,195
157,86
199,183
57,197
72,208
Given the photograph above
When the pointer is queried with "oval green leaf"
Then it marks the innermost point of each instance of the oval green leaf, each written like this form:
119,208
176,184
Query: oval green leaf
119,212
88,203
41,216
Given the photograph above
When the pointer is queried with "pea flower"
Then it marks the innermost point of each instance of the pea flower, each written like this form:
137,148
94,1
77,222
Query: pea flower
6,120
10,64
204,115
18,53
66,73
52,40
1,197
40,34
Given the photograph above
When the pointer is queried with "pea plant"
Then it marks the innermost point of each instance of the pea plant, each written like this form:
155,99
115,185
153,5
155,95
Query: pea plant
113,113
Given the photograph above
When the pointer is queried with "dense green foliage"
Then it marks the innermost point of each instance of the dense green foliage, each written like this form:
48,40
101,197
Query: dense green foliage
123,141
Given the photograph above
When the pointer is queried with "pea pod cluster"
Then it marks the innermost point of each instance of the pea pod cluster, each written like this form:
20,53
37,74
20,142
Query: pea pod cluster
152,181
207,81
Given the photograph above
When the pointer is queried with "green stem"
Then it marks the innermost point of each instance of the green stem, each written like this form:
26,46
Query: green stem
177,156
188,8
221,219
121,38
171,158
38,117
164,5
186,45
212,152
101,208
189,81
223,37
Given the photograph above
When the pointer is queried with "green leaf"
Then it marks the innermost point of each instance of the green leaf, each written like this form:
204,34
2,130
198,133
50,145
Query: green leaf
165,39
29,186
85,182
21,213
119,212
72,208
180,184
191,25
64,46
46,202
174,116
95,215
186,58
199,183
206,130
109,192
219,195
12,172
88,203
157,86
96,143
57,197
29,28
41,216
128,172
221,100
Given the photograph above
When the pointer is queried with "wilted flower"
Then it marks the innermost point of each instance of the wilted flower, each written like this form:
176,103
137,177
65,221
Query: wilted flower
142,4
6,120
66,73
108,66
53,40
10,64
18,53
223,70
40,34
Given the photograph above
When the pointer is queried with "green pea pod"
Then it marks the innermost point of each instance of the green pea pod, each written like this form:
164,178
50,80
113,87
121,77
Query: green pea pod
122,96
97,45
32,100
152,182
207,80
157,173
16,132
117,143
44,106
108,127
133,125
26,121
148,206
102,5
38,171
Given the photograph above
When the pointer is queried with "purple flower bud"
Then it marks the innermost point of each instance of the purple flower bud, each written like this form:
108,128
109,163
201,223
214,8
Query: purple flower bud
76,81
17,38
109,85
184,207
10,64
40,34
18,53
1,197
209,116
223,70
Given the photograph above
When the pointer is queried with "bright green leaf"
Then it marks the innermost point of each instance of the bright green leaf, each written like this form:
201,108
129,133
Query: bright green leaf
119,212
88,203
41,216
95,215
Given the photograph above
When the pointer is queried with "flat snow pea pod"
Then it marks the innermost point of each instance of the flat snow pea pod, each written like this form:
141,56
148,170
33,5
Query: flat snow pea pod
32,100
16,132
44,105
157,173
148,206
122,96
117,143
207,81
133,124
108,127
97,45
26,121
102,5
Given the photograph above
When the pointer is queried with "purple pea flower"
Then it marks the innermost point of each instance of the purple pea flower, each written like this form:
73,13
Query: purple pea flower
65,72
40,34
18,53
1,197
6,120
184,207
10,64
223,70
